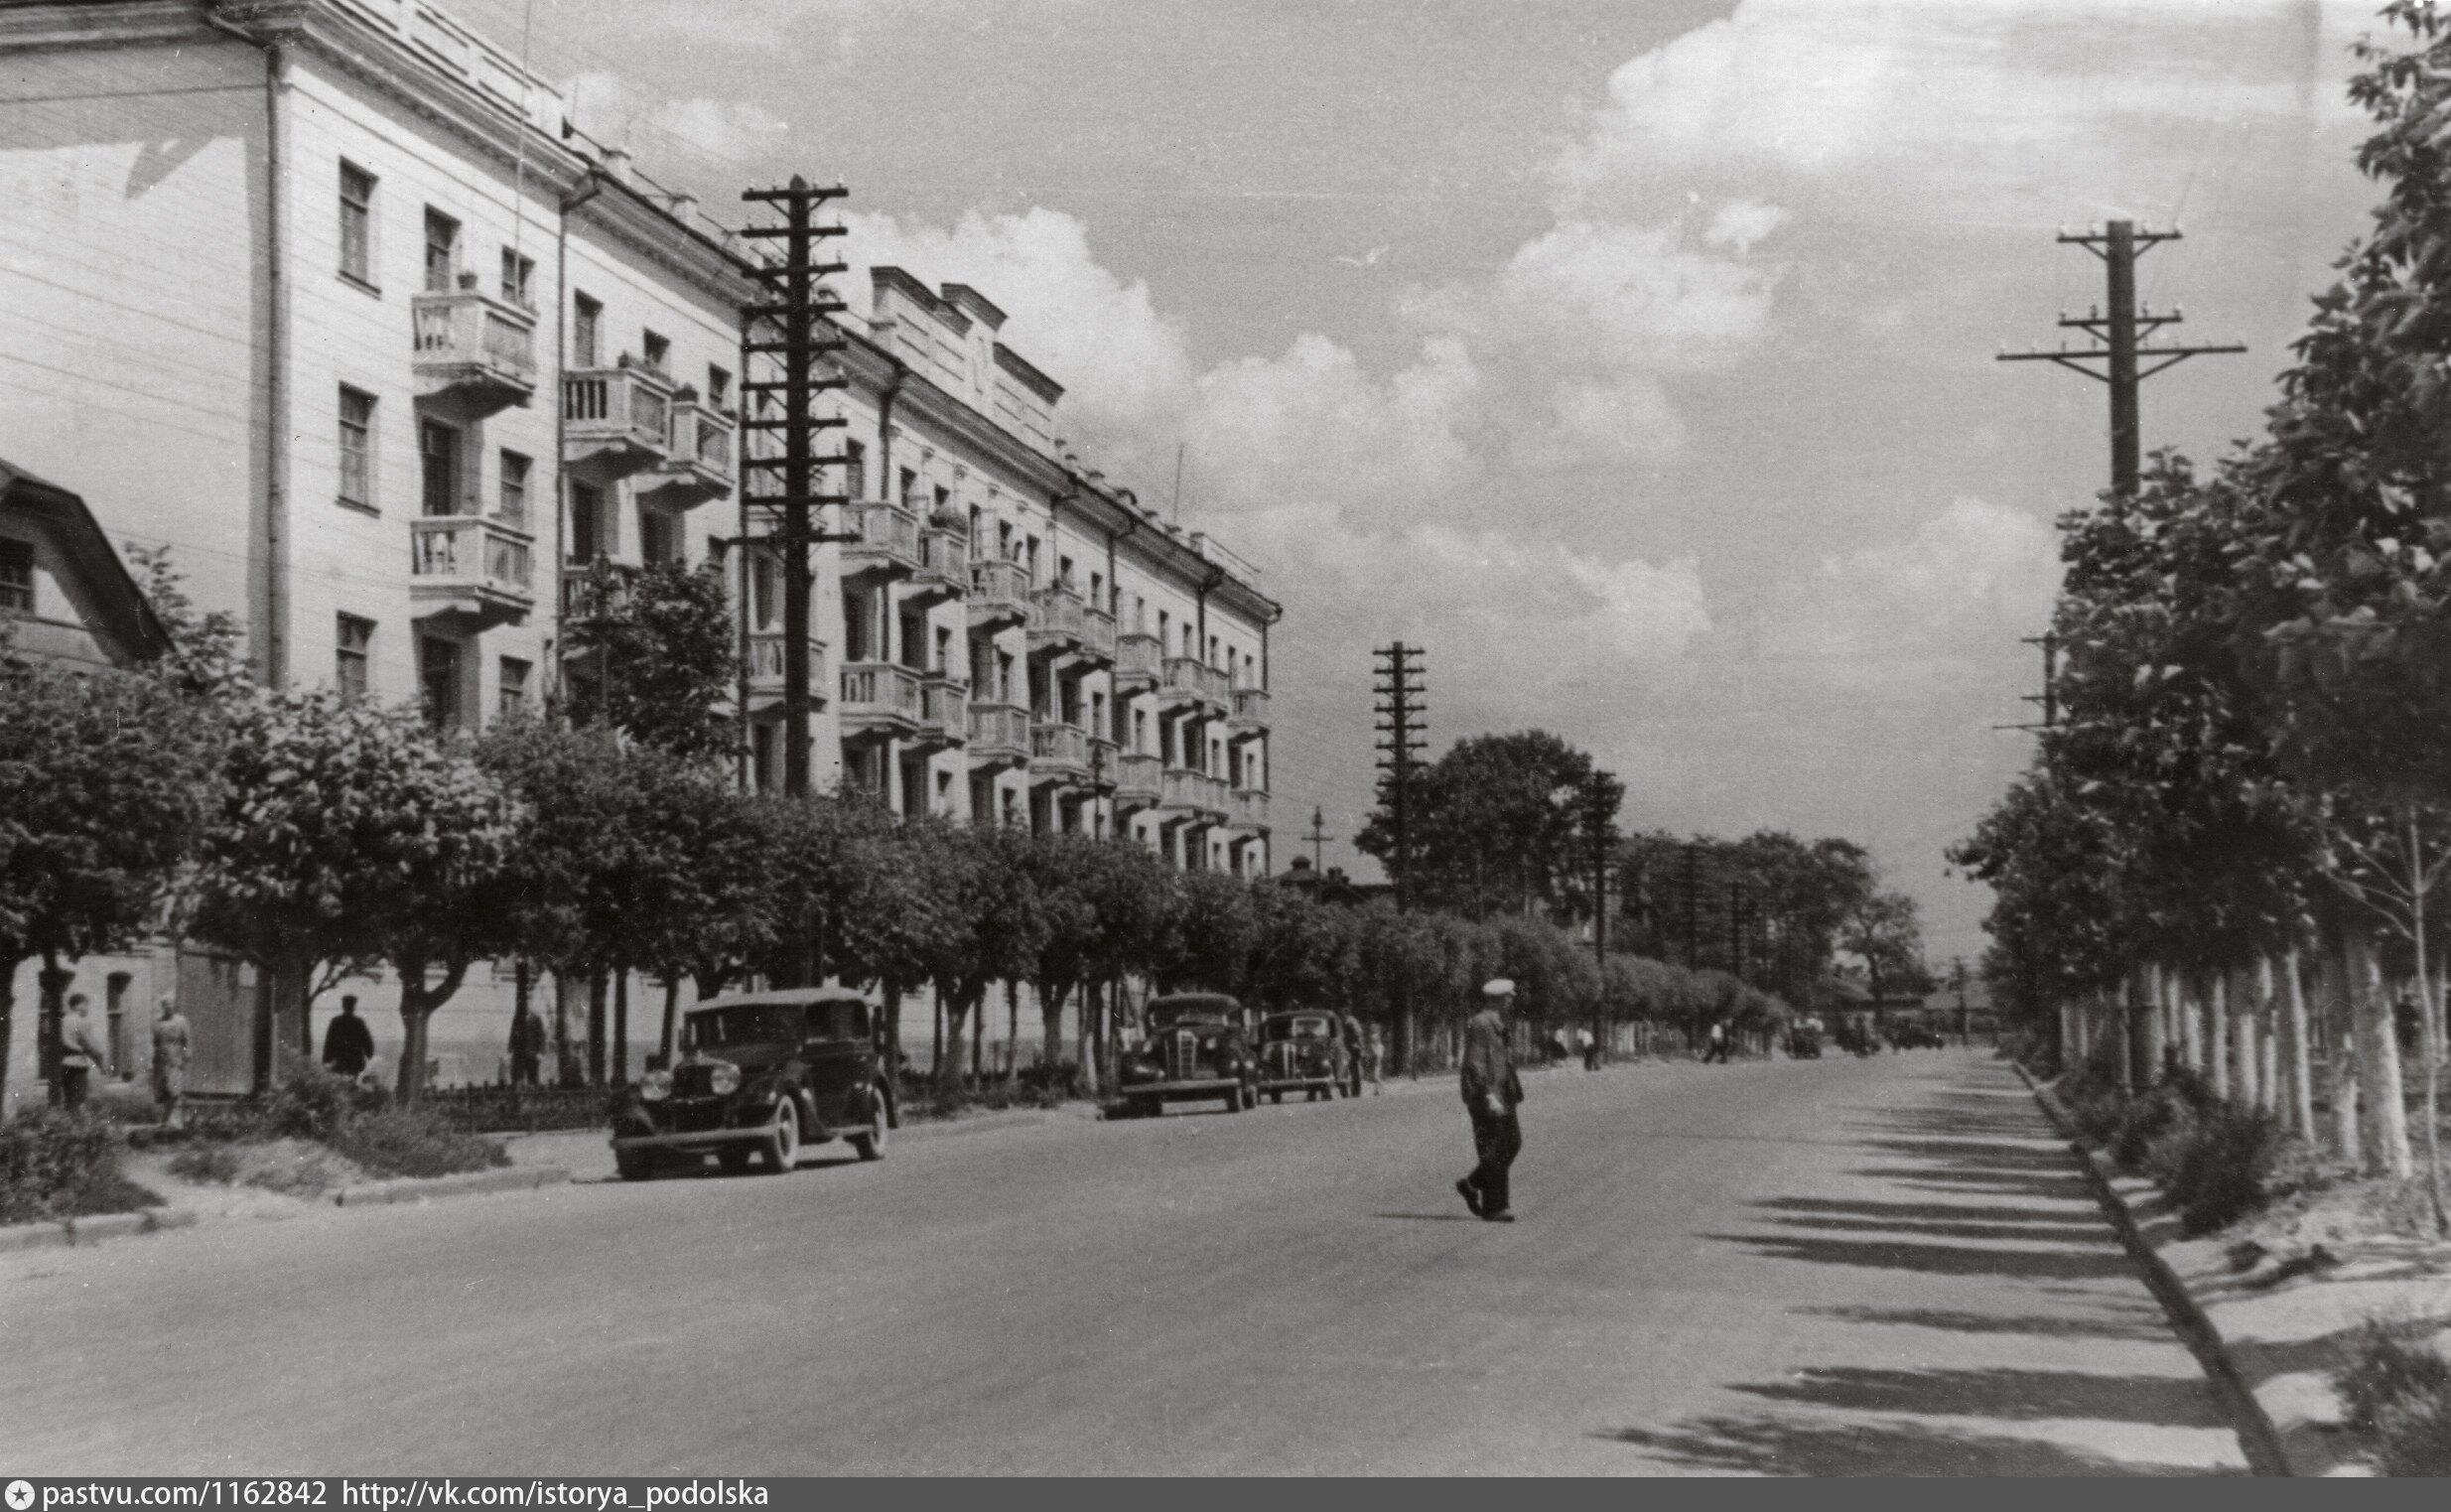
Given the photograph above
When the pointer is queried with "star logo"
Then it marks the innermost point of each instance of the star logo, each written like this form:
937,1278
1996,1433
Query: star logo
21,1495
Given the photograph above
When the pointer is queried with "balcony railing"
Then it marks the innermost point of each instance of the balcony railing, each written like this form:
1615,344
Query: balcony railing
944,709
945,563
880,693
1250,808
1098,636
479,570
699,466
580,596
1190,677
1102,754
766,664
1055,616
888,544
1140,781
1138,658
1060,748
1251,710
1197,793
621,408
998,595
999,732
474,349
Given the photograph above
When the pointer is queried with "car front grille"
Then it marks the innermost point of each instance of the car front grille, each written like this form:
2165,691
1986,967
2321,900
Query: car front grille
696,1115
1182,1055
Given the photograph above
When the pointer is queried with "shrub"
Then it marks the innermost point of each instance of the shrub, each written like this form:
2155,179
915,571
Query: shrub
217,1163
2217,1164
413,1142
312,1103
55,1165
2397,1391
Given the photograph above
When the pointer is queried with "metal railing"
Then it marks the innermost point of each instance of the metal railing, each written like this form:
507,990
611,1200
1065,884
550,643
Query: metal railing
882,688
1055,616
468,549
1000,585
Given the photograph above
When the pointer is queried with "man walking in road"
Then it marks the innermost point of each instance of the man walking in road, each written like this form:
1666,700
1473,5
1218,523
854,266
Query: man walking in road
1717,1049
1492,1092
347,1044
170,1040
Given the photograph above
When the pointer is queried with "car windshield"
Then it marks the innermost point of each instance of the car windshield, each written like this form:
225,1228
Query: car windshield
1298,1028
838,1021
715,1028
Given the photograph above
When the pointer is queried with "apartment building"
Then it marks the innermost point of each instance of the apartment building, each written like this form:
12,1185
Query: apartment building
337,300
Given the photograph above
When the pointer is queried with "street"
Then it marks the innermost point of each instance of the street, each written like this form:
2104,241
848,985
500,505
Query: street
1842,1267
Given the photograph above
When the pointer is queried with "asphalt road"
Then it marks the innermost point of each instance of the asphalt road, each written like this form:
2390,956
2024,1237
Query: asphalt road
1824,1268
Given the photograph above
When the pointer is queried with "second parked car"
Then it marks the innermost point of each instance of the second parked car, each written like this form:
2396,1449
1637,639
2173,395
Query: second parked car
1193,1049
1300,1052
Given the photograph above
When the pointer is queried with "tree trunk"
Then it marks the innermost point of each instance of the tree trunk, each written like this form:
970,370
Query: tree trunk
620,1030
1052,1024
2217,1034
889,1046
2153,1046
51,1008
417,1005
8,1020
936,1055
1092,1030
2238,989
2191,1011
2298,1054
2268,1095
672,1020
2338,1018
596,986
565,1069
2379,1058
1013,1030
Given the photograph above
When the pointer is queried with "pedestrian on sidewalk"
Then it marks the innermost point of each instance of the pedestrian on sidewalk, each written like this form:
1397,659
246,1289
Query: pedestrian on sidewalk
347,1044
171,1042
1586,1042
1374,1058
527,1047
80,1055
1492,1092
1718,1049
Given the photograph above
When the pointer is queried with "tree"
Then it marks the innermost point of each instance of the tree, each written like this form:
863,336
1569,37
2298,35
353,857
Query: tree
339,822
656,657
1885,934
1497,825
106,780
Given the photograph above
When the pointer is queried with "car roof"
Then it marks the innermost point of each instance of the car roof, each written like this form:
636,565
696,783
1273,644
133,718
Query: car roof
1301,1013
796,997
1212,1002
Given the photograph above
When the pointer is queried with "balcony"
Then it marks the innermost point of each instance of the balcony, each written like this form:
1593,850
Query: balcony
888,544
1140,781
1190,680
1098,637
1058,754
581,596
881,701
699,466
1055,621
1250,717
1102,754
1140,662
998,595
765,670
475,572
1251,810
944,712
1194,796
476,354
944,567
616,421
999,735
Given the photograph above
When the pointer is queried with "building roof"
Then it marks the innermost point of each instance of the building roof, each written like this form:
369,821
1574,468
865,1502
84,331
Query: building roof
128,619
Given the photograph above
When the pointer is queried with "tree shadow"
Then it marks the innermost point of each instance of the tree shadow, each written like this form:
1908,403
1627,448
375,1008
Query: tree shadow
1776,1447
2004,1393
2148,1326
2046,1233
1908,1213
1936,1259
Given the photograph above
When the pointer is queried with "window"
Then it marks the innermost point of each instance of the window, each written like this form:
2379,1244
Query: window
854,470
718,387
1063,571
587,322
515,468
587,523
438,458
974,523
1140,731
659,351
442,251
437,680
16,577
518,280
1097,591
1032,562
356,448
765,590
659,539
514,686
763,751
910,481
353,646
356,225
1003,541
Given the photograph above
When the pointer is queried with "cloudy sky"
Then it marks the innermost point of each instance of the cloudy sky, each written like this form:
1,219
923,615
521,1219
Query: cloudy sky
1635,358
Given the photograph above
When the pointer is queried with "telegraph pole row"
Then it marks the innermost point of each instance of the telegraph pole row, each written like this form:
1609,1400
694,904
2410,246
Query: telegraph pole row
787,333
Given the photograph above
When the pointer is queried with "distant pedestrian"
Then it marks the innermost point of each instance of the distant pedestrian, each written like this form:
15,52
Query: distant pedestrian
1716,1049
347,1044
1354,1054
1374,1058
1492,1092
527,1048
170,1042
80,1055
1589,1045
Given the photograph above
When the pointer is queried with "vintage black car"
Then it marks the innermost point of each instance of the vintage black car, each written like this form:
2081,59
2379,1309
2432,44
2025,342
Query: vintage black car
1194,1048
1301,1051
762,1076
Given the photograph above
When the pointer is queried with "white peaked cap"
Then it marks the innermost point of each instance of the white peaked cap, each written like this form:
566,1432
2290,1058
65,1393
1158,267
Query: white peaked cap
1498,986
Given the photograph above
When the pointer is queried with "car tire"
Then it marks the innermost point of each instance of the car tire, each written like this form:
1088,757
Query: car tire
633,1165
870,1142
782,1151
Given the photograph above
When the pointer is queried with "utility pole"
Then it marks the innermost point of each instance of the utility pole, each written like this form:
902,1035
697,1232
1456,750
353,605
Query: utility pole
1397,682
1597,820
798,311
1739,918
1319,838
1693,906
2124,335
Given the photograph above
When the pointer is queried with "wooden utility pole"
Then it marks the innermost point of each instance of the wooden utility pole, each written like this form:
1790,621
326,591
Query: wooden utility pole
1602,836
1400,709
2124,335
799,317
1319,838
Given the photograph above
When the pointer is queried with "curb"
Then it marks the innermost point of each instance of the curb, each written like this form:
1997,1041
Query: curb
2258,1436
417,1189
94,1229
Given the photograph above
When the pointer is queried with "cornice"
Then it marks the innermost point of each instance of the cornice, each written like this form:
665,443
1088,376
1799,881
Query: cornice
65,24
623,212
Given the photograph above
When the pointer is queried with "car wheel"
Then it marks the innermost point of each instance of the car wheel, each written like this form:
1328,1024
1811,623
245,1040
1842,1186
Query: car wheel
782,1149
633,1165
870,1142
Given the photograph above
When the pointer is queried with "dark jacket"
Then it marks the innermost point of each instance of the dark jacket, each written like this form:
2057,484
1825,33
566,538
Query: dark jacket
527,1035
1487,1067
349,1044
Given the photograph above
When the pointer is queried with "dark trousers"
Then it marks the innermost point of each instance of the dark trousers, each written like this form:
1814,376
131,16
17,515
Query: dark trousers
523,1069
1717,1053
1496,1139
74,1081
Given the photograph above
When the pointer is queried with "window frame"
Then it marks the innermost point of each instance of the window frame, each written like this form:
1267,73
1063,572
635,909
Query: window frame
11,547
511,490
518,280
510,697
362,275
352,652
586,330
449,246
364,454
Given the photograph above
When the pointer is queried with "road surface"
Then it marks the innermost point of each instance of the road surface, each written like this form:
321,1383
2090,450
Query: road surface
1840,1267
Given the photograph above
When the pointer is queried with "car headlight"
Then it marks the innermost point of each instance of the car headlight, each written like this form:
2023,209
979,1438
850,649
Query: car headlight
655,1086
724,1079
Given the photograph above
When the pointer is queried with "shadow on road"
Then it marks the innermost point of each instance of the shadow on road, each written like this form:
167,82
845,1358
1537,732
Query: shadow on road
1772,1447
2146,1323
2004,1393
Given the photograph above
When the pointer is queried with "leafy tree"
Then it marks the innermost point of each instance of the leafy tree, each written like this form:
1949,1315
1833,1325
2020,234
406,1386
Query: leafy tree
657,658
1498,825
1885,934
